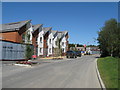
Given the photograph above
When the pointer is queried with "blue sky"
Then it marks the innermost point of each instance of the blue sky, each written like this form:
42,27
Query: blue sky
81,19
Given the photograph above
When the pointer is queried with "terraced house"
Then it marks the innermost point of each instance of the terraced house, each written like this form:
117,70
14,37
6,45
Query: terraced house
16,31
45,41
14,39
35,41
63,37
54,42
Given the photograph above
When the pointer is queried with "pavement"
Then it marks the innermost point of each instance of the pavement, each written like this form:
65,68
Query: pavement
65,73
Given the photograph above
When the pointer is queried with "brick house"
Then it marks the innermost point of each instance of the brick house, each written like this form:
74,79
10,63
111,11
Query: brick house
16,31
14,39
44,39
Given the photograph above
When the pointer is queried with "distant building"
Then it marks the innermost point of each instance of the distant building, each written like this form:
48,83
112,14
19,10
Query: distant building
93,50
80,48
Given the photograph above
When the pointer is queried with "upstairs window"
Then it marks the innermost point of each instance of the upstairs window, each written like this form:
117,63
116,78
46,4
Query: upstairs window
41,39
62,43
50,41
23,37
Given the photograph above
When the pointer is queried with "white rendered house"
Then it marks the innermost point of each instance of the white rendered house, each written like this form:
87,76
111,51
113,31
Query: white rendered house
35,40
29,32
55,38
52,38
43,41
63,40
50,44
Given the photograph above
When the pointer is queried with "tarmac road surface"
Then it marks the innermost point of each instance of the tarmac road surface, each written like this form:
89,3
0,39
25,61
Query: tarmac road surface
67,73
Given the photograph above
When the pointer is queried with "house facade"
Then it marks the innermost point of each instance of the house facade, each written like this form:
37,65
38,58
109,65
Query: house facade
93,50
50,43
55,39
16,31
43,40
63,37
14,38
46,42
36,30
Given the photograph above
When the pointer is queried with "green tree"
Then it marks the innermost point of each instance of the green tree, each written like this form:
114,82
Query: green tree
29,48
109,38
29,51
91,46
79,45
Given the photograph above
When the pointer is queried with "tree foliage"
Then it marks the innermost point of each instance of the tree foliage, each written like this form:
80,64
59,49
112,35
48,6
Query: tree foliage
29,51
29,48
109,38
73,45
92,46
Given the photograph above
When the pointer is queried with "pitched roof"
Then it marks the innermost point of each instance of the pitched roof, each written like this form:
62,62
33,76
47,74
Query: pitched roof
54,33
61,34
65,32
35,27
15,26
46,29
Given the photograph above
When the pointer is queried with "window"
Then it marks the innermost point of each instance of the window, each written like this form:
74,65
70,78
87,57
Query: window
41,39
23,37
62,43
50,50
56,43
50,41
63,50
40,50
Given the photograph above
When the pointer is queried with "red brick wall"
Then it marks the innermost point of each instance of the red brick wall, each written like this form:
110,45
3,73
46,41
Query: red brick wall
34,43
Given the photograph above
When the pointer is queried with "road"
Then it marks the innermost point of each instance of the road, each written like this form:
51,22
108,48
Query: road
68,73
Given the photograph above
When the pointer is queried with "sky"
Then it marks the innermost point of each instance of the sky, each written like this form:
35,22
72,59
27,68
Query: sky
82,20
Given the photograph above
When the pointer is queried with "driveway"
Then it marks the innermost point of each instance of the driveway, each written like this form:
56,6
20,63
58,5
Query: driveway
67,73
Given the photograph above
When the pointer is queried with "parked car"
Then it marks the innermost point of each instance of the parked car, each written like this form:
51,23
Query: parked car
71,54
78,53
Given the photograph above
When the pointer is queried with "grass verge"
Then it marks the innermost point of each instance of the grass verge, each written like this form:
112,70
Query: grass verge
108,68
